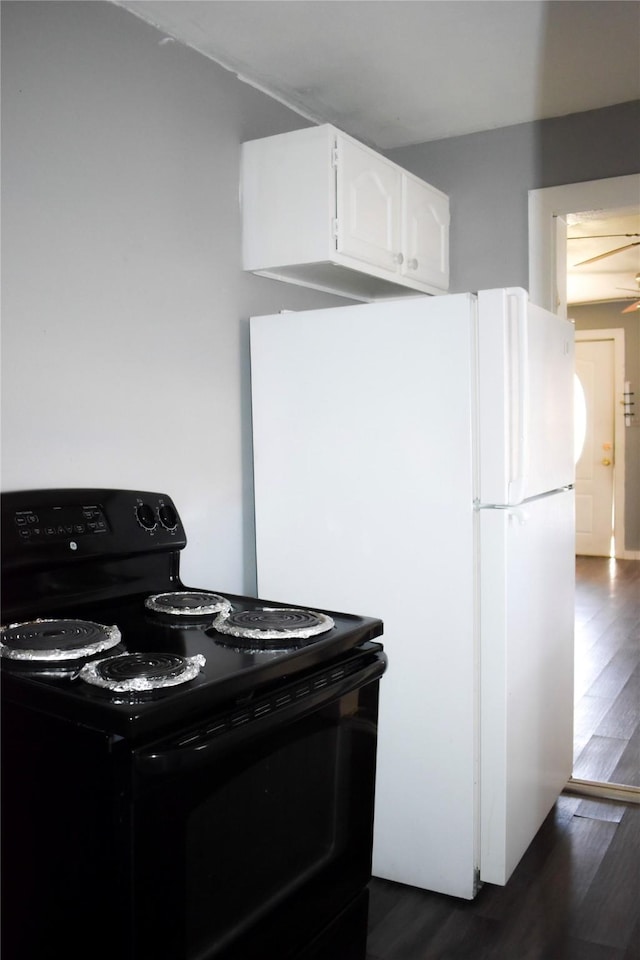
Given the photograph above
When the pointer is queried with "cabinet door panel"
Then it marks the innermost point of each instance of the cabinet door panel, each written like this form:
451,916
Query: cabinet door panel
425,240
369,196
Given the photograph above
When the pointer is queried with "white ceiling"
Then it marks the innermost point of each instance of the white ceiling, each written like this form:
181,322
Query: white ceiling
396,72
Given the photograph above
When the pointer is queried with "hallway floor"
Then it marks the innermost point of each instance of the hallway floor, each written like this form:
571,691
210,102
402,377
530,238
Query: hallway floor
573,896
607,671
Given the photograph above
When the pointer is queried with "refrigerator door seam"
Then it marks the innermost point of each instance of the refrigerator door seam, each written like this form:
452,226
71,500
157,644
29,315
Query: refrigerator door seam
518,373
474,368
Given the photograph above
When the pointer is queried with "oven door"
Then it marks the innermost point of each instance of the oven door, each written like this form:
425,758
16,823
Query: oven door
253,832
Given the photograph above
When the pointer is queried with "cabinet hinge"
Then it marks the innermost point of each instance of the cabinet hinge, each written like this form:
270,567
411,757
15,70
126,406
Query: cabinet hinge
334,156
334,228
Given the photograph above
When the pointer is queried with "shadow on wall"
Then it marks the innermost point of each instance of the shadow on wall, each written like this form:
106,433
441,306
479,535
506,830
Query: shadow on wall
578,146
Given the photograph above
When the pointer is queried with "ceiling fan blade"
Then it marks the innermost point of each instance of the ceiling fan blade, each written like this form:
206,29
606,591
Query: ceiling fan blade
609,253
632,307
600,236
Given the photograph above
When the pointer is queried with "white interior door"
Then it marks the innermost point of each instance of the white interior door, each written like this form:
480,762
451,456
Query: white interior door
596,465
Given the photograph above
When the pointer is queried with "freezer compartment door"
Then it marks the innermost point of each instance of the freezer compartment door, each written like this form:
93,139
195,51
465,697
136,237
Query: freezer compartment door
526,687
525,398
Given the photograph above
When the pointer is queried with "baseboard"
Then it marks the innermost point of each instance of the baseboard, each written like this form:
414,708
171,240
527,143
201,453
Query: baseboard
603,791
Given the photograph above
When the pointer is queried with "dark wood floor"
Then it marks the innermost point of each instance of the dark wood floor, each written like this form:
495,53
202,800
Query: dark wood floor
607,675
575,895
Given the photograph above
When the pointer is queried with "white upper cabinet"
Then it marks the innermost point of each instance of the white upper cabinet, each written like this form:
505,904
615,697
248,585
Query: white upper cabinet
322,210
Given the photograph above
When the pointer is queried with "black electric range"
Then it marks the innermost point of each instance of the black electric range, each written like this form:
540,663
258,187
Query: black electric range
134,705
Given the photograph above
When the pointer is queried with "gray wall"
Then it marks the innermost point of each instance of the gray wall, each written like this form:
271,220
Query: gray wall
607,316
124,308
488,176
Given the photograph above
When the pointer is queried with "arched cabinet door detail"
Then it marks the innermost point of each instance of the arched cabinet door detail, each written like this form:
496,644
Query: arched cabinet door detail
426,233
369,206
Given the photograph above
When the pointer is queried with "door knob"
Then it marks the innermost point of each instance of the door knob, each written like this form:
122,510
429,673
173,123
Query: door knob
605,462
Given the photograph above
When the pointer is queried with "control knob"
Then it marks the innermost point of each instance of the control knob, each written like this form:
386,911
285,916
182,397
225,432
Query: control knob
145,516
168,516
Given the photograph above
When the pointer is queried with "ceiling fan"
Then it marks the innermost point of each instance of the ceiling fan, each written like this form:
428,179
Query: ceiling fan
636,305
609,253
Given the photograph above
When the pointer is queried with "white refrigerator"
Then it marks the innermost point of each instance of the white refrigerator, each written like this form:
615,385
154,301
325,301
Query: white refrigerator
413,461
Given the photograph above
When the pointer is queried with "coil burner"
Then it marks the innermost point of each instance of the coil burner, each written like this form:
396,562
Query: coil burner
142,672
56,640
272,628
188,603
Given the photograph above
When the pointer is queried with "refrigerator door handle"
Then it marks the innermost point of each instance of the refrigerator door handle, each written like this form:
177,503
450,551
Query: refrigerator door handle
517,305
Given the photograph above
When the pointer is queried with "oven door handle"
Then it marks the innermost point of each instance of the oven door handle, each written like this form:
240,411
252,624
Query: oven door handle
194,750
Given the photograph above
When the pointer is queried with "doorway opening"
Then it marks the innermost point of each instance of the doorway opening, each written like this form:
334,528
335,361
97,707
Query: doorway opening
548,210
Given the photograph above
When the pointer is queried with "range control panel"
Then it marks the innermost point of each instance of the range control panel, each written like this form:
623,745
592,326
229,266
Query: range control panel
43,525
60,523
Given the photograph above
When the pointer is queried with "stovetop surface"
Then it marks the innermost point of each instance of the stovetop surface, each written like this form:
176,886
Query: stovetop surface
229,674
97,554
